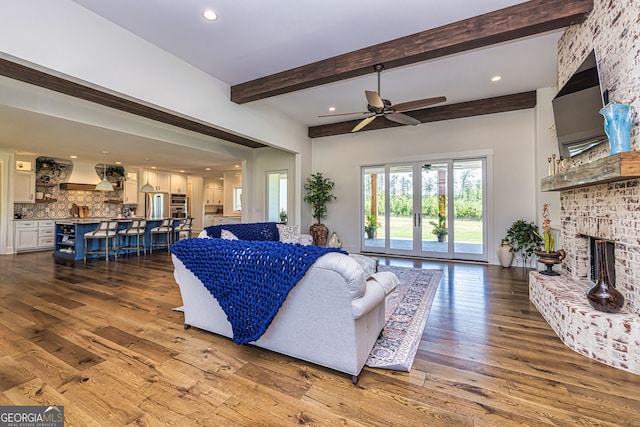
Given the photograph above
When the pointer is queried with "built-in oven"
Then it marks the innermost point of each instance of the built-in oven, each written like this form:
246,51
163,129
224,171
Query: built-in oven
178,206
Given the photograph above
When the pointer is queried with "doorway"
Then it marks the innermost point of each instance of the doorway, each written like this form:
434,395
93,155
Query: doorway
430,209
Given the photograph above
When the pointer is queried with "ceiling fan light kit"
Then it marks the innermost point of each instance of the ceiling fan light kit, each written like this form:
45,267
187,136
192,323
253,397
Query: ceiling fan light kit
379,107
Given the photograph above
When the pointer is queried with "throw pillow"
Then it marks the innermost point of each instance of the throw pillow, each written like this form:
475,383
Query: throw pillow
289,233
226,234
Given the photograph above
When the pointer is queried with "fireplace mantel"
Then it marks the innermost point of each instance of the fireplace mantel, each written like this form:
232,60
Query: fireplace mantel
617,167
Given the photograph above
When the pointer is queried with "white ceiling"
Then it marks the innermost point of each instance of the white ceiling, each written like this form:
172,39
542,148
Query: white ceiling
252,39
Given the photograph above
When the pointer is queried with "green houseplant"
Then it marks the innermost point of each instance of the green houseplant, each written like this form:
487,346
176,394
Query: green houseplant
440,227
371,226
524,239
318,188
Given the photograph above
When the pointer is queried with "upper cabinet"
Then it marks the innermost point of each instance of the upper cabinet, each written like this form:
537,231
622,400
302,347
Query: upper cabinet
161,181
24,187
178,184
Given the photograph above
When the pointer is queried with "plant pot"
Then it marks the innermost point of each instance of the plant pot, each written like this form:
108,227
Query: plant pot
440,238
319,233
370,234
505,256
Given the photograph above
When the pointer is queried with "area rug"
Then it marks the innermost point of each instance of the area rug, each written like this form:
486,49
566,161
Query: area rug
406,312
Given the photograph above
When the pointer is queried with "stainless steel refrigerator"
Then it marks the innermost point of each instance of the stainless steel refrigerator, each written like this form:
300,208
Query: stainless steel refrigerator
158,204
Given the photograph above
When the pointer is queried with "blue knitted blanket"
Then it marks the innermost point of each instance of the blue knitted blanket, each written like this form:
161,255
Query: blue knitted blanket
250,280
263,231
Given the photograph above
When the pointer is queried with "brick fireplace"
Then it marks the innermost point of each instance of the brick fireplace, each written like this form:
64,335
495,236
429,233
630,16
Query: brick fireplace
608,211
606,208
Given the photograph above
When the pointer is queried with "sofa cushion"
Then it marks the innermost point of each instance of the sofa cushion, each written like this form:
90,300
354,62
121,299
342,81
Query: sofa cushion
289,233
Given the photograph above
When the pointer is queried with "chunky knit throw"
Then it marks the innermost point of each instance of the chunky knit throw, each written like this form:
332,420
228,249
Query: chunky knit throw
250,280
263,231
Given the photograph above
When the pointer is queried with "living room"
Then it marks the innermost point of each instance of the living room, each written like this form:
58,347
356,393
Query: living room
515,144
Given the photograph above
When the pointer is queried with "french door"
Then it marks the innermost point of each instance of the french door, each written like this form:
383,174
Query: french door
426,209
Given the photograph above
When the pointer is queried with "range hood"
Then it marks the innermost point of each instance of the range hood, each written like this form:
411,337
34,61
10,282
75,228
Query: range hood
83,177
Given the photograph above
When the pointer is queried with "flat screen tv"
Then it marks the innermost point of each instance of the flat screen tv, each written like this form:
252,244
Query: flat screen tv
576,107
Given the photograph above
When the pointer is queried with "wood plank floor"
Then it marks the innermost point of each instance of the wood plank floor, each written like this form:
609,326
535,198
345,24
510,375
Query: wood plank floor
102,340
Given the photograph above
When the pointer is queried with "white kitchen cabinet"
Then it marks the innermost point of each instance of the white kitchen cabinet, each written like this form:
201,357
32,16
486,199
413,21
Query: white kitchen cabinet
213,194
130,192
209,220
26,236
34,235
161,181
178,184
46,234
24,187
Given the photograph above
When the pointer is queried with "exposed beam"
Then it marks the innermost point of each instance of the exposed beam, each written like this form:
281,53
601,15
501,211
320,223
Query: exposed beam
39,78
521,20
500,104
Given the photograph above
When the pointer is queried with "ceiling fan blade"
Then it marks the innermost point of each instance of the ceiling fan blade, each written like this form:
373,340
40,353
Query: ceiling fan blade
419,103
344,114
402,118
363,123
374,99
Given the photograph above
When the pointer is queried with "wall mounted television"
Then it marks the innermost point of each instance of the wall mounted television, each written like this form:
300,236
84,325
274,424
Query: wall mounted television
576,110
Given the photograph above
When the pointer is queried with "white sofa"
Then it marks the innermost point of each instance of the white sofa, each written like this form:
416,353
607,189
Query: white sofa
332,317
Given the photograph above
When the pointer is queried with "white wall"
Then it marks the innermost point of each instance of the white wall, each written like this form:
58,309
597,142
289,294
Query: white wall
510,137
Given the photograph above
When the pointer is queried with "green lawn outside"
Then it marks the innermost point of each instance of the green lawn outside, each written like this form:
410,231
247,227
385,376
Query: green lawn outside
402,228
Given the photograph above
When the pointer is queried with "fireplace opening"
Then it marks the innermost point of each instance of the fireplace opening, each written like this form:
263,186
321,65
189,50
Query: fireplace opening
611,260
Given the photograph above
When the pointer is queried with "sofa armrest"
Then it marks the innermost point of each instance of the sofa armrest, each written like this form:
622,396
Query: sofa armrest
373,296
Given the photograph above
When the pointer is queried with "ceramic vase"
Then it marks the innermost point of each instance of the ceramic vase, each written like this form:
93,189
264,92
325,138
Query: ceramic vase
319,233
603,296
505,256
618,119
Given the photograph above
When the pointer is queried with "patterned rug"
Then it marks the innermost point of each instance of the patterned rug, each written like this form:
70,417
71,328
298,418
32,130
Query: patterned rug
406,312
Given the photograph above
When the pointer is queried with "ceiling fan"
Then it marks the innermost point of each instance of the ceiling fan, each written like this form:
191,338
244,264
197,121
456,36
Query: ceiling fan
379,107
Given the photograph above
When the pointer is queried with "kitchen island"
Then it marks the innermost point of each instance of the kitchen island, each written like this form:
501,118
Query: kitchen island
69,235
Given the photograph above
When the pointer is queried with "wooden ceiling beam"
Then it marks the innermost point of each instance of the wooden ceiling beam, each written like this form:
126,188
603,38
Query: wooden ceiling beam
500,104
48,81
521,20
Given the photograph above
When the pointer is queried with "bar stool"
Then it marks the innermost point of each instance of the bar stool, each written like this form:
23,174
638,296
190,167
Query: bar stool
184,226
166,228
107,230
135,229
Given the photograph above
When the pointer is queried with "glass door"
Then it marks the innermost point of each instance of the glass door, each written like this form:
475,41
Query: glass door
435,218
422,209
468,218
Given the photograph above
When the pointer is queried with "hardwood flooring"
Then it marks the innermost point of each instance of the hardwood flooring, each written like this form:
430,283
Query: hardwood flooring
102,340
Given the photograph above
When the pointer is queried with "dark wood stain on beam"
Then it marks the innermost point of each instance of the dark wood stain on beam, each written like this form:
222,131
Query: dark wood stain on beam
41,79
521,20
500,104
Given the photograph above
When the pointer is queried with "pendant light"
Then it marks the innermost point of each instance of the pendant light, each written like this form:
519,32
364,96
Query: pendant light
147,188
104,185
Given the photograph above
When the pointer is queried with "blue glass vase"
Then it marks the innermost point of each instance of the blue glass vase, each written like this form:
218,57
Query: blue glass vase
618,119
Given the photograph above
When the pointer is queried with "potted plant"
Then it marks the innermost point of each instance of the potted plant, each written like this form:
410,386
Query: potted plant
318,195
524,239
283,216
371,226
440,227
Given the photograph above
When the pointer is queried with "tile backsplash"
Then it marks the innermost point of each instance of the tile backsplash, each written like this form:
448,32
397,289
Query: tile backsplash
65,199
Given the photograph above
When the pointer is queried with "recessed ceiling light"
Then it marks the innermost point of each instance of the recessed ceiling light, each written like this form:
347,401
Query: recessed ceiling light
73,157
153,167
207,169
118,163
496,78
332,108
210,15
181,171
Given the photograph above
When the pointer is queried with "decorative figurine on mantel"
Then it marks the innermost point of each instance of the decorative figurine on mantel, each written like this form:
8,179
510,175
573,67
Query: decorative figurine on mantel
549,256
